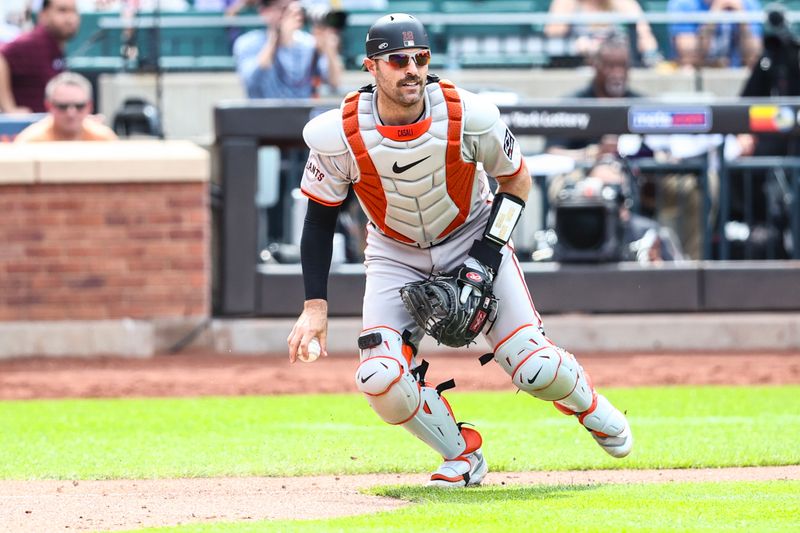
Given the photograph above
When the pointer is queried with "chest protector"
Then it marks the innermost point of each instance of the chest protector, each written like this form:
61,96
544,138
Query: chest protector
414,184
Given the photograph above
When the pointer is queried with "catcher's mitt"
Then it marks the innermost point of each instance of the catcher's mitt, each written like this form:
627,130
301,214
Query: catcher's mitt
436,307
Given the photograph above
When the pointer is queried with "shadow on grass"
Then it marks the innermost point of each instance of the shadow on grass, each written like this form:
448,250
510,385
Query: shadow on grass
475,495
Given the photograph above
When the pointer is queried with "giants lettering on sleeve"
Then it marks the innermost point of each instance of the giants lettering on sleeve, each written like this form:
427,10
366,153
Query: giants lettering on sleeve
314,170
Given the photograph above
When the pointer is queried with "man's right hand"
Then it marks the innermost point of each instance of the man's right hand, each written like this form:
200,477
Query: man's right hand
313,322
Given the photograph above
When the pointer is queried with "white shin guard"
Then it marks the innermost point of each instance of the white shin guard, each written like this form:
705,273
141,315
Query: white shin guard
435,426
603,418
397,397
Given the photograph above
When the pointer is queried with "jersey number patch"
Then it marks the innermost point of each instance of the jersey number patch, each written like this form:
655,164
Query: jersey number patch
508,144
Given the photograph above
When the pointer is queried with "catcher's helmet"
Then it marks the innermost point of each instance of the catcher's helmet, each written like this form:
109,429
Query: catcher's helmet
395,32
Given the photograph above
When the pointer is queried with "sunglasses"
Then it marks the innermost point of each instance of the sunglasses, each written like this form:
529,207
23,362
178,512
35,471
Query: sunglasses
400,60
63,106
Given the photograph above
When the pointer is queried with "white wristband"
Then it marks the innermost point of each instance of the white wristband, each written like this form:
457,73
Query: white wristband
506,214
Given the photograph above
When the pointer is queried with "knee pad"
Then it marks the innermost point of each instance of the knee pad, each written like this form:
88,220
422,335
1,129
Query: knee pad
390,388
544,370
384,376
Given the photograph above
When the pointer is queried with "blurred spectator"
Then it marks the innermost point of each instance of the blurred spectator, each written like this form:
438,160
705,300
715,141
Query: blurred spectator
587,37
283,60
84,6
775,74
28,62
715,44
135,6
611,63
68,98
677,197
229,7
214,5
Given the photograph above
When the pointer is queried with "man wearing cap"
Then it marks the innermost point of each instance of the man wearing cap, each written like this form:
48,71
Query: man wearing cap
417,151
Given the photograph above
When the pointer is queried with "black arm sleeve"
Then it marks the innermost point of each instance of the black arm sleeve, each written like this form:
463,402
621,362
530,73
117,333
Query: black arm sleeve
316,248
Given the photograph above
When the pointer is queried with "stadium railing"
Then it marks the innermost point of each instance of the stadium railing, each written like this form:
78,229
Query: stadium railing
464,33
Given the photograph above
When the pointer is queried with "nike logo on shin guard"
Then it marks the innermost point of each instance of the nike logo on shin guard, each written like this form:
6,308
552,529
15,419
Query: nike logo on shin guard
530,381
364,380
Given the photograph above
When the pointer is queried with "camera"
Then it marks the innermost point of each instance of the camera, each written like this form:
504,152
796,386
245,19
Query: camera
320,15
588,223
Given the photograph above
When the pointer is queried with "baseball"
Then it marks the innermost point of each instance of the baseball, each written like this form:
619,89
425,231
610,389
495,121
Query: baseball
314,350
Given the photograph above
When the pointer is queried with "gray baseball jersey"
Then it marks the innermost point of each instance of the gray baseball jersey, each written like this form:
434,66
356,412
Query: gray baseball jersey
425,191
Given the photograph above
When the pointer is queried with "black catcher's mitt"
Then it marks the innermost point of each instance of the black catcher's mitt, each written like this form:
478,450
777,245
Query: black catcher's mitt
436,307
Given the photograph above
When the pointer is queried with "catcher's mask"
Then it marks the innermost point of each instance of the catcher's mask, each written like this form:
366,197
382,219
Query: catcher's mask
435,305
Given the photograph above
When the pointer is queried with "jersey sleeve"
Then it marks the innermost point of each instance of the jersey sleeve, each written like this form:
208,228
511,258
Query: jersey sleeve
326,178
498,151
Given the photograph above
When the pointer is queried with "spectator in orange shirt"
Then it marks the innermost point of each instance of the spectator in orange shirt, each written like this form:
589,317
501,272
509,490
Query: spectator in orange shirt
68,99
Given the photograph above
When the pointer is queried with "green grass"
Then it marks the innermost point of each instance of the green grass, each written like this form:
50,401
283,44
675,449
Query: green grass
674,427
745,506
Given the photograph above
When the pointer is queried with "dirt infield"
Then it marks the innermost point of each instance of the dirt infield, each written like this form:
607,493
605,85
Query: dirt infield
201,374
38,506
127,504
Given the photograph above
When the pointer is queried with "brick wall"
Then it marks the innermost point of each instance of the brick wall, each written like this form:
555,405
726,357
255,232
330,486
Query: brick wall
89,251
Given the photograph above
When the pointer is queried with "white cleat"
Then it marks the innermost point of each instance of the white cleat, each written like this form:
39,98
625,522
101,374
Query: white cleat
464,471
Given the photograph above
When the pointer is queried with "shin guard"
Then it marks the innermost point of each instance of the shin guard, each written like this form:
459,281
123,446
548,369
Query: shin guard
399,395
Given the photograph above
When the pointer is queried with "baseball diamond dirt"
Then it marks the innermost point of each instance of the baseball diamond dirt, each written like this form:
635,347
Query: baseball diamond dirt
51,505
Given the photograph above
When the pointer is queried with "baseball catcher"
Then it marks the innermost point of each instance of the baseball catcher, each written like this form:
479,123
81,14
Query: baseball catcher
416,150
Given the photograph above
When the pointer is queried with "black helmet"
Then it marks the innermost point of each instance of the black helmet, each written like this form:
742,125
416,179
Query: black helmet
395,32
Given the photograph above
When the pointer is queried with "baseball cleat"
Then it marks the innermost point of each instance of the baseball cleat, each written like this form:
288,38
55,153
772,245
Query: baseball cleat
464,471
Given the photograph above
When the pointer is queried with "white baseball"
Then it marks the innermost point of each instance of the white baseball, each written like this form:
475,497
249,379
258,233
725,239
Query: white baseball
314,349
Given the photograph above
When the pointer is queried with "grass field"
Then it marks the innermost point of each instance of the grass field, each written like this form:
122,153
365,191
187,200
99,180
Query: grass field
770,506
674,427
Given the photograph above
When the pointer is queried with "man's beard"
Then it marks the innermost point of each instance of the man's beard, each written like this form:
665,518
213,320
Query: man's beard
64,35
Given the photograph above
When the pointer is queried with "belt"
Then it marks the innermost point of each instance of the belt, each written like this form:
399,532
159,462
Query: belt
424,245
